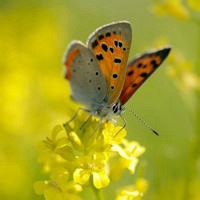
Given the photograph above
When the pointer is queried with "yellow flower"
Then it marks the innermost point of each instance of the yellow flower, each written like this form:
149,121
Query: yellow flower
133,192
181,70
129,152
194,4
174,8
52,191
80,152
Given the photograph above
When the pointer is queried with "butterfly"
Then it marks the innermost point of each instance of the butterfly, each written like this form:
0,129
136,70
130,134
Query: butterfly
98,73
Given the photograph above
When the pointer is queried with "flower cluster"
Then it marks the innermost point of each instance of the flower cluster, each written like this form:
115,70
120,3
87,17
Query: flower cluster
177,8
80,154
182,71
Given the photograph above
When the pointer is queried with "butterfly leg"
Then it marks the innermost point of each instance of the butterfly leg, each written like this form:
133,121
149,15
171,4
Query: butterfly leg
123,126
99,125
66,124
86,121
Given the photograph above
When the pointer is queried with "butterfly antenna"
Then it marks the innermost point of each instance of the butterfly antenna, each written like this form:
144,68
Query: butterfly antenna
144,122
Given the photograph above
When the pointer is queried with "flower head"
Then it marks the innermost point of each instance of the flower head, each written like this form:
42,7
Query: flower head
85,152
174,8
133,192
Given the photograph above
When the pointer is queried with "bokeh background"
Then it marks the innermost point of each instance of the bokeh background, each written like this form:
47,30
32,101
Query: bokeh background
34,95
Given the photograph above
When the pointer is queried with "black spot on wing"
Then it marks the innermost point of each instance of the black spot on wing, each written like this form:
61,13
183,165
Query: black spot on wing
144,74
154,63
163,53
99,56
130,73
104,47
134,85
101,37
139,65
144,66
116,43
115,75
94,44
117,60
120,44
111,49
108,34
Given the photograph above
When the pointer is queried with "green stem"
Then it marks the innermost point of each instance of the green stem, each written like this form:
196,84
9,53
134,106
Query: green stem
97,192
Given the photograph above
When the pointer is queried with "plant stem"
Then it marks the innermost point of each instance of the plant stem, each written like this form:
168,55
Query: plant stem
97,192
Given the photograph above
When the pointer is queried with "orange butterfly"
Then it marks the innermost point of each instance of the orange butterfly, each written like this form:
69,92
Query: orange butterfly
98,73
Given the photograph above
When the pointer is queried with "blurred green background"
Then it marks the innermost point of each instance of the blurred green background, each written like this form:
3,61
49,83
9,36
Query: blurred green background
34,94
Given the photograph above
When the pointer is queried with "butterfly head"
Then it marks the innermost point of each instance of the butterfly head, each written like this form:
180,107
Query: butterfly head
117,108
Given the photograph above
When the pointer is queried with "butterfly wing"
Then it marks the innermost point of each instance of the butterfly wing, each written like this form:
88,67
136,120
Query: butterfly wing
110,45
88,85
140,69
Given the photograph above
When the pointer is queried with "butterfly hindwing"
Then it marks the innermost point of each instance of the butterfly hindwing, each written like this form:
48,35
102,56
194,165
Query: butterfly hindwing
88,85
110,45
140,69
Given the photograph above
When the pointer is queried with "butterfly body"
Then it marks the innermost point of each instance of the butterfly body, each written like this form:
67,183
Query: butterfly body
99,75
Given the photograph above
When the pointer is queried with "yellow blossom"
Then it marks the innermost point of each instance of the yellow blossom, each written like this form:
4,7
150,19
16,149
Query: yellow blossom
194,4
81,153
52,191
133,192
174,8
129,153
181,70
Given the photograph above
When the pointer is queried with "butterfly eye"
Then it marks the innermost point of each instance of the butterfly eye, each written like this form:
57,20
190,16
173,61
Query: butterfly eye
115,108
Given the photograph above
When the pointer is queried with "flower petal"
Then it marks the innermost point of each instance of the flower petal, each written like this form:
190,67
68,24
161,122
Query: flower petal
81,176
100,179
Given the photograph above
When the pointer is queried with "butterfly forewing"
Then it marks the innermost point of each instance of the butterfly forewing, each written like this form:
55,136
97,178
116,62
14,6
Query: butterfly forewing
88,85
140,69
110,45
